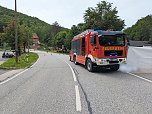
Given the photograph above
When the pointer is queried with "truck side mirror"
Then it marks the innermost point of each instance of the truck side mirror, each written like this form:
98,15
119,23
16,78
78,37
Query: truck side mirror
128,44
93,40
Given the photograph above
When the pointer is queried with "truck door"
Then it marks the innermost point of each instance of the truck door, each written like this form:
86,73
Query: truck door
83,51
93,46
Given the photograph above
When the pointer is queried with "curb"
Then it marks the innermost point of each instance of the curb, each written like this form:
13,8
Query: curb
9,74
14,73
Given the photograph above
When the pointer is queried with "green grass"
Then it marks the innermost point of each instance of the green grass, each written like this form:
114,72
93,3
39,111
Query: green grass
22,63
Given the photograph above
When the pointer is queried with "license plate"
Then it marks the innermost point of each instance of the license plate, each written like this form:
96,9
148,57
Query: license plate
113,59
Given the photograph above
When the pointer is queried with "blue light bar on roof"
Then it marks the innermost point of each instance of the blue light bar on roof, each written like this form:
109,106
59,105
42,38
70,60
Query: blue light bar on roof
98,30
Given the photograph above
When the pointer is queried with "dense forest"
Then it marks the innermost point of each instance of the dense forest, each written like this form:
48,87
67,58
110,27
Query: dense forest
142,30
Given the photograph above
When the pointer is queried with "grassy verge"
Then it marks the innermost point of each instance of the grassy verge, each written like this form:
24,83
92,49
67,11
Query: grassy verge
22,63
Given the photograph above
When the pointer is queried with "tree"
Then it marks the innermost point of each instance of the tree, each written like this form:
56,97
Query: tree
150,39
142,30
55,29
69,37
74,30
62,38
59,39
9,30
2,38
25,35
56,24
103,17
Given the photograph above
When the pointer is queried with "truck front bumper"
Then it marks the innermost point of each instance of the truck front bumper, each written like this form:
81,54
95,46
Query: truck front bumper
110,61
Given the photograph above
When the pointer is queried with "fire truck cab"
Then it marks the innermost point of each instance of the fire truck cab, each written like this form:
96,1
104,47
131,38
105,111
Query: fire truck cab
97,48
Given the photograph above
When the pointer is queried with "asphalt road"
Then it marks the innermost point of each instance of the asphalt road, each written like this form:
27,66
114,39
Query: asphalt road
50,87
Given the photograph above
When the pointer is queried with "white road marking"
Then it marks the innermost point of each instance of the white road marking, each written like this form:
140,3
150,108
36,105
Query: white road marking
34,63
78,101
73,74
74,77
5,81
140,77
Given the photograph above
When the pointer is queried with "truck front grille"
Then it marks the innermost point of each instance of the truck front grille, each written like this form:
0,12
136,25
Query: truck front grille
113,53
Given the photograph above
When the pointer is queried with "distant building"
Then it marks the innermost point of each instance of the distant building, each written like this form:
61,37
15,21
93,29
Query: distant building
36,41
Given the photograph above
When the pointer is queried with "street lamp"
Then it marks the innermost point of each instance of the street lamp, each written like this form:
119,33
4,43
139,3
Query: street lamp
16,37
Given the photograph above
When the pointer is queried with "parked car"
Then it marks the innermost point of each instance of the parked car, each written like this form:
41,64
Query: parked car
7,54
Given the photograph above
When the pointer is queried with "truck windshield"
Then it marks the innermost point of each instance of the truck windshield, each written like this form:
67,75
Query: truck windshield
115,40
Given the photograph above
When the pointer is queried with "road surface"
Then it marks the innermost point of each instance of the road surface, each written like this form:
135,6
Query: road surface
52,87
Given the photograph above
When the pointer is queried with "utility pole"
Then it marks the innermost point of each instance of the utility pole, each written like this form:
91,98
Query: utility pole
28,44
16,36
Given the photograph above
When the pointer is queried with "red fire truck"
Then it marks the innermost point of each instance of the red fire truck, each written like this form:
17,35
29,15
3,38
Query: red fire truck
97,48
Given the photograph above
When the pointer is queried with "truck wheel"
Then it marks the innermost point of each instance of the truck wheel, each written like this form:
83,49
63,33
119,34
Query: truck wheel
114,67
74,60
89,66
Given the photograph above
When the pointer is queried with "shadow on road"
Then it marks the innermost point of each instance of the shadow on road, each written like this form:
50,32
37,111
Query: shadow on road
98,70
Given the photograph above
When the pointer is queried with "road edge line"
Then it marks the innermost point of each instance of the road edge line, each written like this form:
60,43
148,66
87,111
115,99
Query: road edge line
34,63
74,76
145,79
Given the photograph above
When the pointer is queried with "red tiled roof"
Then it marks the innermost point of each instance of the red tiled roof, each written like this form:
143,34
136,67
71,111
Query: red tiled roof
34,36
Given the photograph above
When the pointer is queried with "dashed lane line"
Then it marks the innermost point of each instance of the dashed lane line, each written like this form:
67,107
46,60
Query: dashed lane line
78,100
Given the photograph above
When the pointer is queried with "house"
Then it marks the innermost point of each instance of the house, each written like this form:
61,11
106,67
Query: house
36,41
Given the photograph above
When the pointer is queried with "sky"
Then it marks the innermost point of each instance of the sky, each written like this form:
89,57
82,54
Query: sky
70,12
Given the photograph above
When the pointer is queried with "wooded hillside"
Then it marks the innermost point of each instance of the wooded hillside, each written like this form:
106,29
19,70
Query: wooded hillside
142,30
45,31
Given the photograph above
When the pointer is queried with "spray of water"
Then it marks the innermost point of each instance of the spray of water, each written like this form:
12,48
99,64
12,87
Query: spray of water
138,60
126,68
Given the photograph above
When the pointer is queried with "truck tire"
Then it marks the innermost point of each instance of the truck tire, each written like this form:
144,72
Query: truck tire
114,67
89,65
